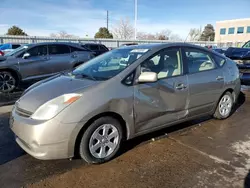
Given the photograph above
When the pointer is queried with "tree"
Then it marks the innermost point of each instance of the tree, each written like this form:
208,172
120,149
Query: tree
103,33
123,29
164,34
14,30
195,34
62,34
208,33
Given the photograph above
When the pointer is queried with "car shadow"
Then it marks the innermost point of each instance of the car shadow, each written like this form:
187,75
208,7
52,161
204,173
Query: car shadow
9,150
163,133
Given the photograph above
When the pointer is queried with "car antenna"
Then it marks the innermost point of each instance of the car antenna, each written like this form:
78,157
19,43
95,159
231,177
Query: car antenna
187,37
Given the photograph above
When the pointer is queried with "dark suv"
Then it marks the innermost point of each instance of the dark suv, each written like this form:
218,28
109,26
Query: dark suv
34,62
98,49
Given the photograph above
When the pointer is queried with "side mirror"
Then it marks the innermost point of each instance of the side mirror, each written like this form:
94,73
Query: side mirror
26,55
147,77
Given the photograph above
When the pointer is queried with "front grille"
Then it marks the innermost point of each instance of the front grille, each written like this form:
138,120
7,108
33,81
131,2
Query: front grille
22,112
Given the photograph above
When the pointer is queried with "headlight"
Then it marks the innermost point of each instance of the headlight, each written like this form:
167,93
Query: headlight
51,108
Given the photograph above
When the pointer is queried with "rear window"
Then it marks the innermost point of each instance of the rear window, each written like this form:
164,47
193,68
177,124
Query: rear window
103,48
14,46
58,49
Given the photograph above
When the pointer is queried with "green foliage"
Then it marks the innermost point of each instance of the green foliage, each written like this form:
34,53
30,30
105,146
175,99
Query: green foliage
103,33
208,33
14,30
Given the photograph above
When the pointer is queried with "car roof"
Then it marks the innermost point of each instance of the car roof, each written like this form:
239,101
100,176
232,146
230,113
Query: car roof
162,45
89,43
46,43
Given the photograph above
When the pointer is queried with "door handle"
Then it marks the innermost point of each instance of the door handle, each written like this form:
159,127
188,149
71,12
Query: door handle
219,78
180,86
73,55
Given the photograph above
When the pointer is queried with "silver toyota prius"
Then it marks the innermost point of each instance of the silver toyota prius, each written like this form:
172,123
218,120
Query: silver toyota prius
127,92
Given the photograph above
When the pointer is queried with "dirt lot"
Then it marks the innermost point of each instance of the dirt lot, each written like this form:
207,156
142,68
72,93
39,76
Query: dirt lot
202,153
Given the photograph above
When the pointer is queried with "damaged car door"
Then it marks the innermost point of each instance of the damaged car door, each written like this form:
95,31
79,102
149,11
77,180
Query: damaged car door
162,102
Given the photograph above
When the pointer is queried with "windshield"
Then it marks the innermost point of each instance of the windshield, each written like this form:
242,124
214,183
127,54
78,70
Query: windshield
17,50
246,45
109,64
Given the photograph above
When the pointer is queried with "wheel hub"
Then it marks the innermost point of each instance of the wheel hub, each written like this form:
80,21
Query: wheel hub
104,141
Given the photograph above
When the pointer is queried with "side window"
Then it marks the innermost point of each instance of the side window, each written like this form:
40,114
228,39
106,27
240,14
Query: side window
94,47
74,49
166,63
38,51
198,60
219,60
58,49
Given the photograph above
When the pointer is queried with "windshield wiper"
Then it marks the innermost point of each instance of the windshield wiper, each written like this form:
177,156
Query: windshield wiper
84,76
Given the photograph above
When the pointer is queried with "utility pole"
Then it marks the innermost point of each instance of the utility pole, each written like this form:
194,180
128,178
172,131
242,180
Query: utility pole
107,19
135,19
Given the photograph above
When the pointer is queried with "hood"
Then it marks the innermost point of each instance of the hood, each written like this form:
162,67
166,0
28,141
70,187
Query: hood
238,53
44,91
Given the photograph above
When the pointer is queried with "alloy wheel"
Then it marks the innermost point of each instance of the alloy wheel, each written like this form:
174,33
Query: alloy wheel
104,141
225,105
7,82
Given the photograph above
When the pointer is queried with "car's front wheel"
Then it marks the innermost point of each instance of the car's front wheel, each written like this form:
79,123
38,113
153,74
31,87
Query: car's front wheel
224,107
101,141
7,82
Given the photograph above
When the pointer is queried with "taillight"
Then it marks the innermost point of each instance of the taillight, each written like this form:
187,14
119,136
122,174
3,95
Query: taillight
1,53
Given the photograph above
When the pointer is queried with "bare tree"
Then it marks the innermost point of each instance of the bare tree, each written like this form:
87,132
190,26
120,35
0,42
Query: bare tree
175,37
164,34
123,29
194,34
62,34
145,36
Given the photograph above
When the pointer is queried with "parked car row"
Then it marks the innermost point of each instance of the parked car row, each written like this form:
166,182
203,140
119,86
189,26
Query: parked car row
6,48
33,62
130,91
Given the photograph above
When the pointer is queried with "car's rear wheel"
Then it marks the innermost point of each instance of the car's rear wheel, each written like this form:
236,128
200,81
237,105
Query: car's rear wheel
101,141
7,82
224,107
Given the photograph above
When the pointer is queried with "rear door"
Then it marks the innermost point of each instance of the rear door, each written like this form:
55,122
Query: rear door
205,78
34,66
165,101
60,58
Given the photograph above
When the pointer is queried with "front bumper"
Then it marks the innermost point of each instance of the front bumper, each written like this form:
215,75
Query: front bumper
43,139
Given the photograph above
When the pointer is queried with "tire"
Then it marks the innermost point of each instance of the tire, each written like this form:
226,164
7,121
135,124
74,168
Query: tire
224,107
98,145
8,82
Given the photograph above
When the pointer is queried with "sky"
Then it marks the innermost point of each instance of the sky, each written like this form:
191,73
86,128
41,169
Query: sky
84,17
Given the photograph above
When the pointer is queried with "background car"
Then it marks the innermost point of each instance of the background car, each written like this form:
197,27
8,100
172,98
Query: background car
93,109
98,49
6,48
34,62
130,44
242,57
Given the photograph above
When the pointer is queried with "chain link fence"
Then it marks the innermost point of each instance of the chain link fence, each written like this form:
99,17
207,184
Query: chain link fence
111,43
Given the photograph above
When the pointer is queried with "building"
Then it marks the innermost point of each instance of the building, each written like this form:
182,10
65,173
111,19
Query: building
235,31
